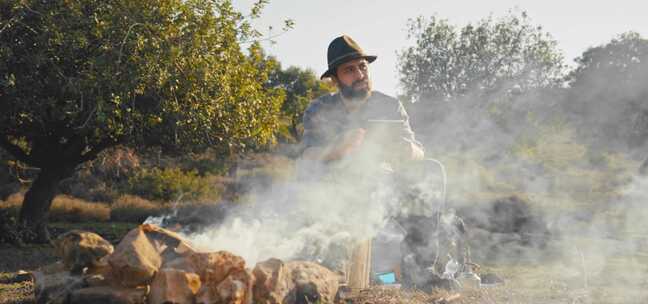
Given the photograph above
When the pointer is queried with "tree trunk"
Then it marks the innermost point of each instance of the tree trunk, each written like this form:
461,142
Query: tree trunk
293,129
38,199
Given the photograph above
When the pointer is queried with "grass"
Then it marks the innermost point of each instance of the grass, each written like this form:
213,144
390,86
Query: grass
111,231
65,208
134,209
20,292
127,208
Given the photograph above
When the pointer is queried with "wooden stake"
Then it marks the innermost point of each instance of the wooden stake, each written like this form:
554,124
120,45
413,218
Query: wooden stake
359,273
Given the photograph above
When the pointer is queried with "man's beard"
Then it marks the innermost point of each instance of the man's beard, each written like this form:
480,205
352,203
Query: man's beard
352,93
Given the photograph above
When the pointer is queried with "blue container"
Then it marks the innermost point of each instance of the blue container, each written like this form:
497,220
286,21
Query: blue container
387,278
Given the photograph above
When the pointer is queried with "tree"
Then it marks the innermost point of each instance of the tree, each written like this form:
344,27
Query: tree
300,86
491,56
608,96
77,77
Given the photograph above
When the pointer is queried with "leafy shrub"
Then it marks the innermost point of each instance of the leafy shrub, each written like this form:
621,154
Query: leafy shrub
134,209
10,231
170,184
89,187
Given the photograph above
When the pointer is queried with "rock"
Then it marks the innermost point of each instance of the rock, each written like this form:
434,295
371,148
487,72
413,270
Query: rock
170,244
100,275
214,267
135,260
81,249
294,282
97,280
143,250
313,282
54,288
174,286
272,282
223,275
210,266
234,289
52,268
108,295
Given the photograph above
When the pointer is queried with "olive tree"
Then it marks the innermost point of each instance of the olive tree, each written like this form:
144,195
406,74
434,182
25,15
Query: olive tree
492,55
301,86
607,92
77,77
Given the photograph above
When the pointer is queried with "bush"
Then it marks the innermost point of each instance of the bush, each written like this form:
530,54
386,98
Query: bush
10,231
171,184
134,209
88,187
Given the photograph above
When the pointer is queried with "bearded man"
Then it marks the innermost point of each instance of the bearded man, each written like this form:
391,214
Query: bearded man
348,137
340,124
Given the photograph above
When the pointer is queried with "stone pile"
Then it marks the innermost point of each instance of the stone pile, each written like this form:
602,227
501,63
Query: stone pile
154,265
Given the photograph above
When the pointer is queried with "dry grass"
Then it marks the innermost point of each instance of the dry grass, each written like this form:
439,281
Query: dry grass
64,209
127,208
69,209
20,292
12,203
131,208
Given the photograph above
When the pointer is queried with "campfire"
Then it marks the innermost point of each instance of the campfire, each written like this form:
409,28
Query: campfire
155,265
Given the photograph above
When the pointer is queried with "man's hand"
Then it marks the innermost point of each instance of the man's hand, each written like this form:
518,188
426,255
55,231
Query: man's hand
343,145
351,139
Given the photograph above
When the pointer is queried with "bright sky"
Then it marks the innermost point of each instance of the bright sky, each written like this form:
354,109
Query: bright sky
380,26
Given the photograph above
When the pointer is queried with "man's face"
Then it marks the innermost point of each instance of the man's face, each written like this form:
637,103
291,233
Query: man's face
352,79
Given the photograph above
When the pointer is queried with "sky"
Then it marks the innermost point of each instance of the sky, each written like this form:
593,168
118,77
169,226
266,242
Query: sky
380,26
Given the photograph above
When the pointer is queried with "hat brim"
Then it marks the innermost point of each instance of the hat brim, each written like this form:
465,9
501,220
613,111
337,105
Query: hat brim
331,71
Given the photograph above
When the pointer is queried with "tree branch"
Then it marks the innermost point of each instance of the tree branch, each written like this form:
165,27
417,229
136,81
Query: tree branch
103,145
16,151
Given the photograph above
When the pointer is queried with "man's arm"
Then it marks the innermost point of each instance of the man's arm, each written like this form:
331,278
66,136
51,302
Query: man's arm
317,143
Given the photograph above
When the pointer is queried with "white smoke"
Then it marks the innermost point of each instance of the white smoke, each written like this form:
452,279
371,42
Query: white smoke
319,217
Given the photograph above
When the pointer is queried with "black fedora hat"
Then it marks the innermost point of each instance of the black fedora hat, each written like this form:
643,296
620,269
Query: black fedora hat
343,49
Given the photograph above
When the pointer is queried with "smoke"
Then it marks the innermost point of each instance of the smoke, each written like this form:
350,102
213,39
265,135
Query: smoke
323,212
528,171
570,158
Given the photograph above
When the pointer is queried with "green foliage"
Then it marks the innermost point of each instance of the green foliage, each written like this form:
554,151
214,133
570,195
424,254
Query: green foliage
11,232
491,56
79,76
170,184
300,87
552,146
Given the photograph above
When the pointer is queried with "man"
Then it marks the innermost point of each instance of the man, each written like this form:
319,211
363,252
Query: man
339,125
354,130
